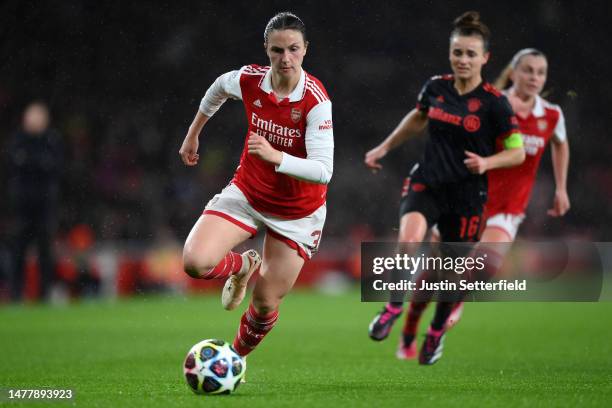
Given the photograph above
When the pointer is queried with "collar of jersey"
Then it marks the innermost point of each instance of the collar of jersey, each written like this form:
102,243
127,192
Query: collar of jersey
538,107
296,95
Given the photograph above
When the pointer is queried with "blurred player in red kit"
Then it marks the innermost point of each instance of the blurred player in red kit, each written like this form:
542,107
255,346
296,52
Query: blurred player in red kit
465,117
279,186
510,189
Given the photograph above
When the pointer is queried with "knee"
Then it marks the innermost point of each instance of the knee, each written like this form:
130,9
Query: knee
266,304
410,238
197,264
412,234
413,227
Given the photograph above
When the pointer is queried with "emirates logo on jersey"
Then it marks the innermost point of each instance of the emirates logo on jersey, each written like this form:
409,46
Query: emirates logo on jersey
296,115
542,125
274,133
257,103
473,104
471,123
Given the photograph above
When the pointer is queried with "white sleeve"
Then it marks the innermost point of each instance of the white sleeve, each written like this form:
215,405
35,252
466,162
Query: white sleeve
560,135
226,86
318,165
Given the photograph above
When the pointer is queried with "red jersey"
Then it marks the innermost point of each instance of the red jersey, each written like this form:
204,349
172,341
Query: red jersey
510,188
299,125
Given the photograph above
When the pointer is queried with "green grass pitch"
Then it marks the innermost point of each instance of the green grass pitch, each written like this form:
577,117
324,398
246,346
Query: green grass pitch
129,354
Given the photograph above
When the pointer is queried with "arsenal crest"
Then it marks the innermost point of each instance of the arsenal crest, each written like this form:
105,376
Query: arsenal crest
474,104
542,125
296,115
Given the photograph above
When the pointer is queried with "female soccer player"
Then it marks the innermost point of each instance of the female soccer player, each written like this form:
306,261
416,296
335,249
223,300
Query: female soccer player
510,189
539,122
279,186
465,116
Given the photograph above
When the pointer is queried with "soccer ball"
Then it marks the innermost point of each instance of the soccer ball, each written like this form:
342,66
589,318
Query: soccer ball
213,367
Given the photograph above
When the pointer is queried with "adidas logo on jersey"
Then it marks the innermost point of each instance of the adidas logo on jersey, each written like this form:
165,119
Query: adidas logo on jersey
257,103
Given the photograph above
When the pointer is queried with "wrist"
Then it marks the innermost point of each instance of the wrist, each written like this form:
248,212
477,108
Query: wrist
384,148
277,157
487,164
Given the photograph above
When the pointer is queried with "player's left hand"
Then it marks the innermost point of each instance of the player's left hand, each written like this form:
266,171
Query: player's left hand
475,163
561,204
260,147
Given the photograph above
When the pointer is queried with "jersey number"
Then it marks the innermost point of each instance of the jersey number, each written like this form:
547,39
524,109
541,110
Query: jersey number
315,244
470,228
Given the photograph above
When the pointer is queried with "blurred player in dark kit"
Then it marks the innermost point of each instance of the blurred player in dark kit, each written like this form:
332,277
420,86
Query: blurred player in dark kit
35,158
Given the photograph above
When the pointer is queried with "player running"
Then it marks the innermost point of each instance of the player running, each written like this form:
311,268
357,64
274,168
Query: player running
510,189
279,186
465,116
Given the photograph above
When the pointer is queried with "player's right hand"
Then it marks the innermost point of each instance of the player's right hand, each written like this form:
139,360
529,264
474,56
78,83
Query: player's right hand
561,204
373,156
189,151
476,164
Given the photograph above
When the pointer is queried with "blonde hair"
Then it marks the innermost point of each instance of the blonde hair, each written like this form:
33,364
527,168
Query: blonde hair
503,81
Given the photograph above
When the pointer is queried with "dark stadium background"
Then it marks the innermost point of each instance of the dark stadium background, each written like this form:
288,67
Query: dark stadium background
124,79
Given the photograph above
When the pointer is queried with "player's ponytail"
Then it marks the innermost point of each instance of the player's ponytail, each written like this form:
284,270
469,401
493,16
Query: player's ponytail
503,81
469,24
285,21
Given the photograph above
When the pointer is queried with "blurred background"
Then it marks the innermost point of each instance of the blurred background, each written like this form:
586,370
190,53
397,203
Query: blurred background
123,81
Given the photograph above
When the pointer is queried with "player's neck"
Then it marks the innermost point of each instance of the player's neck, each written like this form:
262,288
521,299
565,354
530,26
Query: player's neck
464,86
526,102
283,86
526,99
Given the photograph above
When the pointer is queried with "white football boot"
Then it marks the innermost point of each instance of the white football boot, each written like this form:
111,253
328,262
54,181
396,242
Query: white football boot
235,286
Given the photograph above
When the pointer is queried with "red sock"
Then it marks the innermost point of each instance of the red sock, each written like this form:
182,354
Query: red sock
418,304
229,265
435,332
413,317
253,328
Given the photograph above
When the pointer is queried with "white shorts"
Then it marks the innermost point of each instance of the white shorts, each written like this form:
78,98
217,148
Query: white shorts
302,234
509,223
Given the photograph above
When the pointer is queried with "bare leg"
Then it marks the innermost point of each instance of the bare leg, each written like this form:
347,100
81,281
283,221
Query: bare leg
413,227
495,234
209,241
